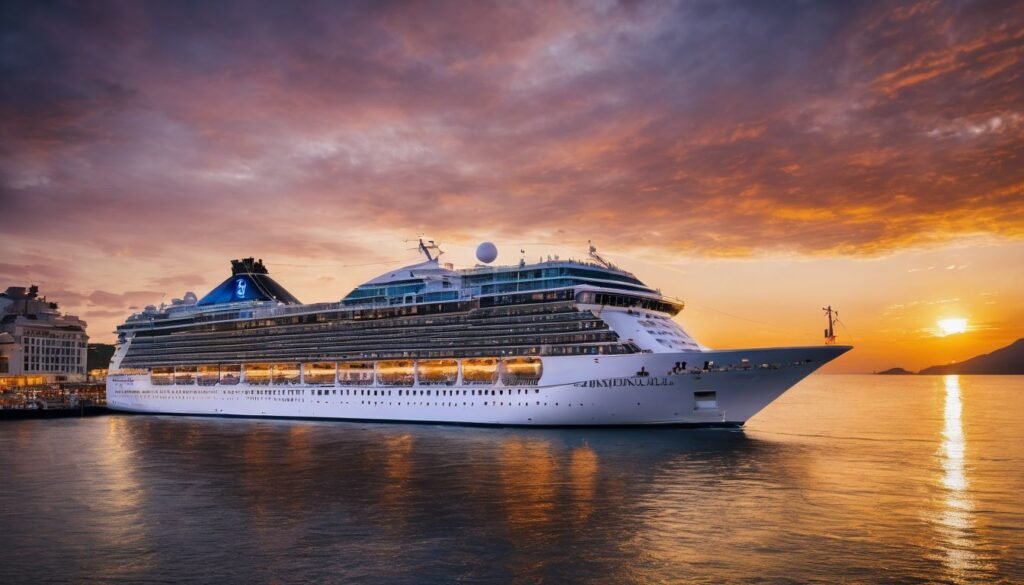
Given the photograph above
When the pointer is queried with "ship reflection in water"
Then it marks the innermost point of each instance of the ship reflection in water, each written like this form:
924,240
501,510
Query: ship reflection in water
902,481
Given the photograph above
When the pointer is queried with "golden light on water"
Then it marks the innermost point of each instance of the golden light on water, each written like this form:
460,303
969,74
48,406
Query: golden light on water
583,465
952,326
953,437
956,520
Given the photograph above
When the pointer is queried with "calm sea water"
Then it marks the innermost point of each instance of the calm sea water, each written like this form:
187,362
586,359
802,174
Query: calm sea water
854,479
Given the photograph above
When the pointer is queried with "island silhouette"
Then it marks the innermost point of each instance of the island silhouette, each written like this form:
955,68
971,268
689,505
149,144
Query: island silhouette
1004,361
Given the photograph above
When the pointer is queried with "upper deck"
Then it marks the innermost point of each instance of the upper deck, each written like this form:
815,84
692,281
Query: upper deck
429,282
250,293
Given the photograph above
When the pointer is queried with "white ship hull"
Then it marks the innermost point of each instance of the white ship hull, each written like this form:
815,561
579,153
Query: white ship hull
626,390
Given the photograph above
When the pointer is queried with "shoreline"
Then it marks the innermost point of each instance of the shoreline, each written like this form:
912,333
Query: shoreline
43,413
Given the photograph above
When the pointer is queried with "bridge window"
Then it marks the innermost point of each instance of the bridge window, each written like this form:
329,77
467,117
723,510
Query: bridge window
621,300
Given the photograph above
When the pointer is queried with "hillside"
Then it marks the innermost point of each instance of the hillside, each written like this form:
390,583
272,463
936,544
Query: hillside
1008,360
895,372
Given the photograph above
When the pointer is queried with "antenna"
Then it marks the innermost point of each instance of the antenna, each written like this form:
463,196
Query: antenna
597,257
833,318
428,248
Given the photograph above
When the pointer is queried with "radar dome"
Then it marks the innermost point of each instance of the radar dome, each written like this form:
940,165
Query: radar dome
487,252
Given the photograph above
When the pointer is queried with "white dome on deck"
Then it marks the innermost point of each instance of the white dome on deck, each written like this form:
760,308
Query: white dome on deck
429,269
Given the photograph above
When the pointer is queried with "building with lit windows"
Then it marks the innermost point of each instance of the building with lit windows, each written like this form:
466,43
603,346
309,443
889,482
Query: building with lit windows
38,344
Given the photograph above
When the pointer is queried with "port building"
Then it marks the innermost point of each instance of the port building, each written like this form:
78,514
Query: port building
39,344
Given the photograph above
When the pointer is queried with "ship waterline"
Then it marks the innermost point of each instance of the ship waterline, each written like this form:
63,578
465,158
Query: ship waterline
561,343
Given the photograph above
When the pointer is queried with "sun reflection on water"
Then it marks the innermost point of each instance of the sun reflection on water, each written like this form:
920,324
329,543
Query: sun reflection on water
956,520
953,438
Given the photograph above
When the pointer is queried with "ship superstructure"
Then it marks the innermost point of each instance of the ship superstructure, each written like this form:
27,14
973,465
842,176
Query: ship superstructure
558,342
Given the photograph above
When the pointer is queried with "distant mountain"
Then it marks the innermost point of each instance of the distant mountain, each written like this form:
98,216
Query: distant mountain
895,372
1008,360
99,355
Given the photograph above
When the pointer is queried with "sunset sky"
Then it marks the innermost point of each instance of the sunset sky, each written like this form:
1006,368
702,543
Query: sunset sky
758,160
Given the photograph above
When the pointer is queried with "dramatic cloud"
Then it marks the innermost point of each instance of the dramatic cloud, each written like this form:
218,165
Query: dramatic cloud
721,128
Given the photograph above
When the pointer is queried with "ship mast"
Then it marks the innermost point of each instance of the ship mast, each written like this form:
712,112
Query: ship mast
429,249
597,257
833,318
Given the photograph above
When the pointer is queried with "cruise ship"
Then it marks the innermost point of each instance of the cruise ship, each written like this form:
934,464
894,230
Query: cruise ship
556,343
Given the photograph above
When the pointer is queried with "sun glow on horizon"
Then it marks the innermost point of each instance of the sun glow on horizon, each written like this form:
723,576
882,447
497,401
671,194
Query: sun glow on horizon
952,326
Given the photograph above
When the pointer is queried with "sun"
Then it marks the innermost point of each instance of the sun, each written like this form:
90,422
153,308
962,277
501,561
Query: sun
952,326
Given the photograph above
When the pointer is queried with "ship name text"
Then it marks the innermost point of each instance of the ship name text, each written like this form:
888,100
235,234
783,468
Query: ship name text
623,382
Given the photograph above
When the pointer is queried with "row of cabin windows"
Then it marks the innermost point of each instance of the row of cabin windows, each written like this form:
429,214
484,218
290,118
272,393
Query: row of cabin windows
304,346
613,300
333,322
197,322
522,370
461,330
136,361
548,323
437,393
520,275
557,283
